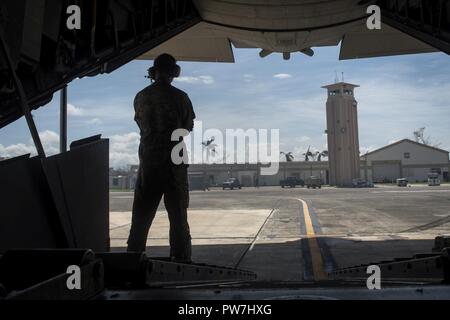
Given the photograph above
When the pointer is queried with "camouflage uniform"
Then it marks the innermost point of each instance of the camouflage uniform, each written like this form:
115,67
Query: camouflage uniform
160,109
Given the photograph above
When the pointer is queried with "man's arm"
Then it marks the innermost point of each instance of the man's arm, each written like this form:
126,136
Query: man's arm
137,111
188,121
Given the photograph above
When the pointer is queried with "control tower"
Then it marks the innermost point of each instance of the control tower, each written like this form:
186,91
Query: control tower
342,131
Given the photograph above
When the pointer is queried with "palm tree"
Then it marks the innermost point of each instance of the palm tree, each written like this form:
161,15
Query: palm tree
289,158
323,154
315,155
210,147
308,154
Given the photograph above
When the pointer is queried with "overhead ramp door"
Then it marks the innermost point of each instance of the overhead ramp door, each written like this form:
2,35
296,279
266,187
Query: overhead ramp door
383,172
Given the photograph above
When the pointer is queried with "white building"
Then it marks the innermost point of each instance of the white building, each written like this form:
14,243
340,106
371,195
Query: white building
250,174
123,179
405,159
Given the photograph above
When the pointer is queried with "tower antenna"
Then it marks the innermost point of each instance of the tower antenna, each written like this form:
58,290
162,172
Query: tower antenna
336,79
342,76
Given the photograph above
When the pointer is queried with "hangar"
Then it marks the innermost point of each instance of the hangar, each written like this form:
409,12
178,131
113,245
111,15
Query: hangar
405,159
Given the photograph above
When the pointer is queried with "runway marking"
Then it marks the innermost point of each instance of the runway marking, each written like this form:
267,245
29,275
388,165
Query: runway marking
314,249
411,191
433,224
256,238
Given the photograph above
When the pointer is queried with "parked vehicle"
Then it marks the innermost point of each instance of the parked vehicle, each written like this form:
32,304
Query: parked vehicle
361,183
314,182
292,182
433,179
231,183
402,182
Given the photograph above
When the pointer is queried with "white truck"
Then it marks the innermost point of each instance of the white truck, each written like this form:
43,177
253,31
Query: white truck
433,179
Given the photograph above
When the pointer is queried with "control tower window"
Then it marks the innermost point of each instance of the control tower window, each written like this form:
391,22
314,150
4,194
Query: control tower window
334,92
348,92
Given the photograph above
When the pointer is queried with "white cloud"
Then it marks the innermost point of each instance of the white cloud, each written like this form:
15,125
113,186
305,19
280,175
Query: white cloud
195,80
187,79
393,141
282,76
15,150
299,153
94,121
248,77
49,139
303,139
363,149
124,150
74,111
50,142
207,79
107,110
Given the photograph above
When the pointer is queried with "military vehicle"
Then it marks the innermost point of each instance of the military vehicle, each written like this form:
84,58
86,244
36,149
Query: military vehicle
292,182
402,182
314,182
231,183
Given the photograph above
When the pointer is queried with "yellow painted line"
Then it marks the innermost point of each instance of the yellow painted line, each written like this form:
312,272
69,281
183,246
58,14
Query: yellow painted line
314,249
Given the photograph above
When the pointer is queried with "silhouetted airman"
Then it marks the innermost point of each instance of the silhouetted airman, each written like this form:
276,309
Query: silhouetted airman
160,110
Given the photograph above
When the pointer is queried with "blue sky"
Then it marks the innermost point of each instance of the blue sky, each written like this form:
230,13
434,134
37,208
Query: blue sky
397,95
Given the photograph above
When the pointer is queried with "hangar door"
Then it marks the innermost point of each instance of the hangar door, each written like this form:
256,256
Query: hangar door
382,172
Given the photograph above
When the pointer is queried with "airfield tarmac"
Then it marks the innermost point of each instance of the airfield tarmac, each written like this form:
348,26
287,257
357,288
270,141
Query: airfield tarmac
299,234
